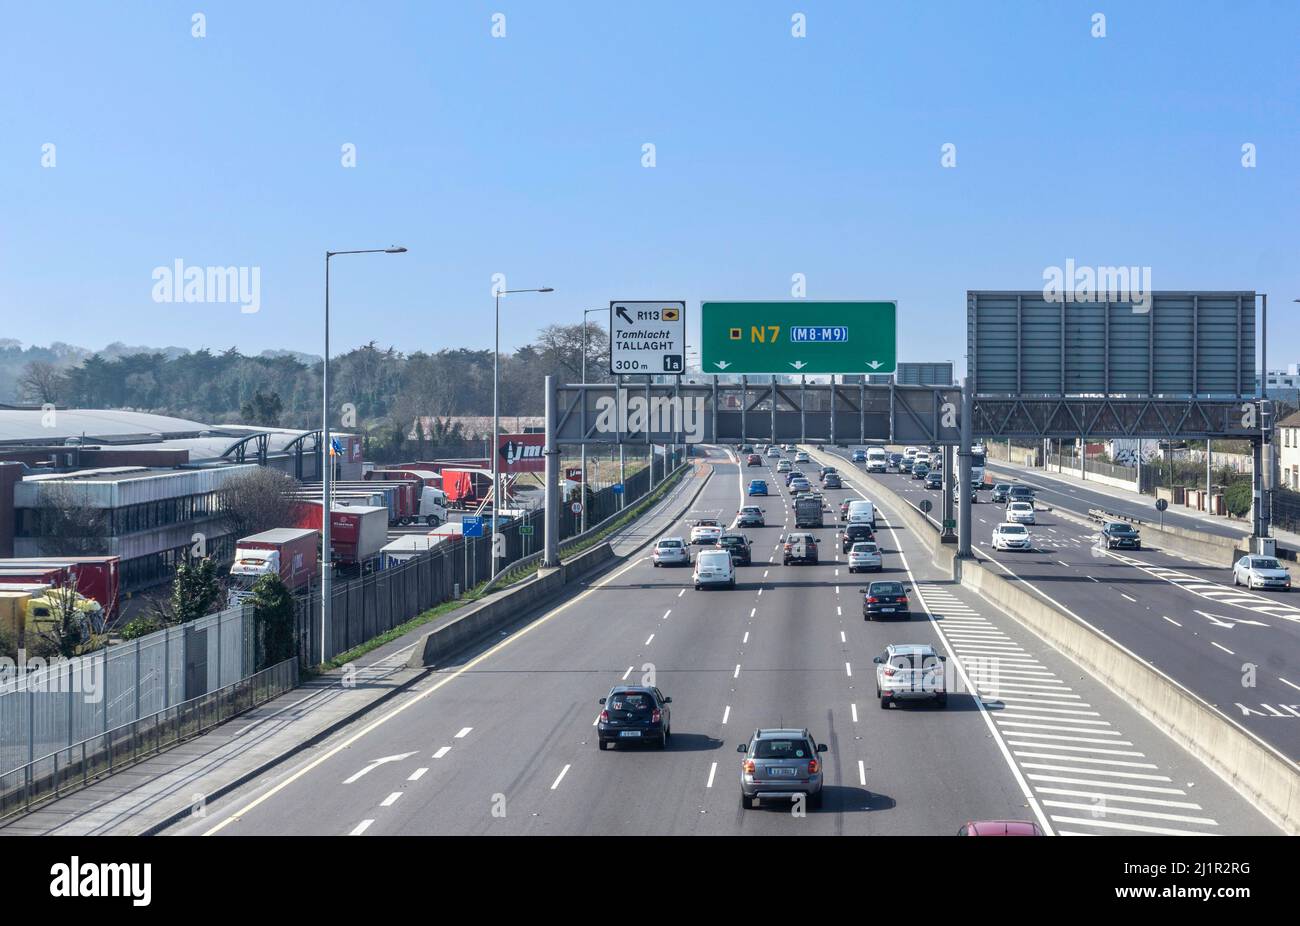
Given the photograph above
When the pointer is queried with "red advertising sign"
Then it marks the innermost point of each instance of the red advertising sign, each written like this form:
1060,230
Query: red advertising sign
521,453
573,474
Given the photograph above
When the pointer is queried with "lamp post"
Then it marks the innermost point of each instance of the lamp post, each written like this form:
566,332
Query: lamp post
327,454
496,414
583,491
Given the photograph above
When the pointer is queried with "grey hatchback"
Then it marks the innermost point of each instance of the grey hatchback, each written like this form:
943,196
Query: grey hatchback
781,764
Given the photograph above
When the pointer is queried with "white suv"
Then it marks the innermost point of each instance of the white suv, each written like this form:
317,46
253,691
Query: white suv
1011,537
1020,513
865,555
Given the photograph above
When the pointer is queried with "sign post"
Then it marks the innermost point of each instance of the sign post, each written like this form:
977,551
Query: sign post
798,337
647,337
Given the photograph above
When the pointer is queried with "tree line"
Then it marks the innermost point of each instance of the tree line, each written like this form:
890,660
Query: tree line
386,386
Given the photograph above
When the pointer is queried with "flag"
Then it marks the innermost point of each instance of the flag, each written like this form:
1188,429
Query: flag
336,449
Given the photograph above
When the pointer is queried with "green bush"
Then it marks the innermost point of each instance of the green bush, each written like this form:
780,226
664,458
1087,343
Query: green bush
141,626
1238,498
274,609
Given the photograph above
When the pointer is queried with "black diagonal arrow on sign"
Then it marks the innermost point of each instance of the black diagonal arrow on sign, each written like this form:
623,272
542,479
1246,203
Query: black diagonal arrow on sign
622,313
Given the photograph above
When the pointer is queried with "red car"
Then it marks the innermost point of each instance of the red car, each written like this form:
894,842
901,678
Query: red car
1000,828
755,460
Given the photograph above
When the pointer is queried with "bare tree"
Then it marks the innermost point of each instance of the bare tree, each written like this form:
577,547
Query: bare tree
257,501
41,382
68,524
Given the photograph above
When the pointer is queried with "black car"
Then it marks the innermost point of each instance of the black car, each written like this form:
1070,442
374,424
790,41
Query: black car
1119,534
635,714
920,470
1020,493
893,460
855,533
750,516
832,481
885,599
934,480
737,545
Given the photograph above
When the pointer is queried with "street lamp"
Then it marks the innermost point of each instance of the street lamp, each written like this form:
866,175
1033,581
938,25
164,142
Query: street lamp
583,491
496,414
327,451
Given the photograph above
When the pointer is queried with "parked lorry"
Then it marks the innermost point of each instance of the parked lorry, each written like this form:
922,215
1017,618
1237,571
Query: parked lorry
289,552
428,487
35,610
97,577
357,533
466,487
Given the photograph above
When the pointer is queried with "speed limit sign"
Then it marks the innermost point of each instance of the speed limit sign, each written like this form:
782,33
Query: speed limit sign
576,507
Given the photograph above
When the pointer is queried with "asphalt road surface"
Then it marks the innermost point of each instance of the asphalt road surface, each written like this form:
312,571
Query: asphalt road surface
1180,615
504,742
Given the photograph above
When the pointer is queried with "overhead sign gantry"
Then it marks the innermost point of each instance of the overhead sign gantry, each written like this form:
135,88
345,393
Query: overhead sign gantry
798,336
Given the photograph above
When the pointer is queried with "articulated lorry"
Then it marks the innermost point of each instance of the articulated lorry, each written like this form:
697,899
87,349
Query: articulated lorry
96,577
32,611
407,500
289,552
357,533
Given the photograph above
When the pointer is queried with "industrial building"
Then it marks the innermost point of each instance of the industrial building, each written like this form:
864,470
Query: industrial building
155,478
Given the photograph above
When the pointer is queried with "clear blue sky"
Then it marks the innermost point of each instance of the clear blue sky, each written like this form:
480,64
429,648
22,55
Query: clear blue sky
522,155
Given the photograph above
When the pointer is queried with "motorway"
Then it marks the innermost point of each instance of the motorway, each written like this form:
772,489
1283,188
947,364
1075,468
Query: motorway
1179,614
503,742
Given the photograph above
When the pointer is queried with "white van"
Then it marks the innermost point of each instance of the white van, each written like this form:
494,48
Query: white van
877,460
714,567
862,510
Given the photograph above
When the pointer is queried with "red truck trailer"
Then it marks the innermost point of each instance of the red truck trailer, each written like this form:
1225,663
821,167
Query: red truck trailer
357,533
98,577
466,487
290,552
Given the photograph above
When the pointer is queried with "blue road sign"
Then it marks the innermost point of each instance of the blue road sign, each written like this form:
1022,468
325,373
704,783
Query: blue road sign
472,526
617,488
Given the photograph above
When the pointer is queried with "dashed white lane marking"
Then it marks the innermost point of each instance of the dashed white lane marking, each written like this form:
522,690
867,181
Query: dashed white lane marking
765,572
442,752
559,778
417,774
753,611
839,610
666,613
853,708
712,771
681,593
1222,647
464,732
361,827
726,713
1285,682
848,670
1129,597
626,674
842,639
736,674
391,799
1172,621
862,773
648,639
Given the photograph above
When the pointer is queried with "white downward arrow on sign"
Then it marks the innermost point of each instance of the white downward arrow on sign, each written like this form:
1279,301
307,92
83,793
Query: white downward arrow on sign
798,364
721,364
375,764
874,364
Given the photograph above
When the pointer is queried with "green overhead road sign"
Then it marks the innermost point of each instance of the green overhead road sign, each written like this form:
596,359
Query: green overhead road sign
798,337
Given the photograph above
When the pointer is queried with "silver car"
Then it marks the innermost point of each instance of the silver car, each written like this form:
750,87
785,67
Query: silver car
671,551
910,671
781,764
1261,572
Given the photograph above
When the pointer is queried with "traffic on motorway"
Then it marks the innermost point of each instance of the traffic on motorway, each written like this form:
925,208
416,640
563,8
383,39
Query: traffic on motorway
1196,622
719,683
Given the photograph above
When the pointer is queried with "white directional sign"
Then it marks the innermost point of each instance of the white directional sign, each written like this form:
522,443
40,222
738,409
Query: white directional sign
647,337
